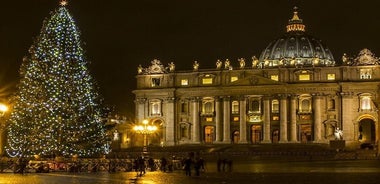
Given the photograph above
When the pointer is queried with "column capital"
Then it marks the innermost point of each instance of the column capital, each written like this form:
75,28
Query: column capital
218,98
283,96
195,99
169,99
241,97
294,96
226,98
267,97
347,94
140,100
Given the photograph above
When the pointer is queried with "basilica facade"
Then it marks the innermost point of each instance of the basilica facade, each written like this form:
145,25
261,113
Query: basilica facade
294,92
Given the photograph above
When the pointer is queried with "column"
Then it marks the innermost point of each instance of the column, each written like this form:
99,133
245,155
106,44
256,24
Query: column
317,118
169,127
283,119
195,117
293,118
226,120
266,120
347,125
141,105
243,120
218,120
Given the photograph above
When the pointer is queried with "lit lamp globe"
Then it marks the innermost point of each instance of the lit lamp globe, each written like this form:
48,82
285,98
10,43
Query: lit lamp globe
3,108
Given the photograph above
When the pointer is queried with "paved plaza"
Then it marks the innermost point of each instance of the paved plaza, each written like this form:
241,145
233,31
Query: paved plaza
326,172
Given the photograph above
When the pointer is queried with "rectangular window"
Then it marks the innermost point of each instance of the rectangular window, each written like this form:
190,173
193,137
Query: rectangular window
155,108
304,77
184,82
365,103
236,118
274,77
209,119
235,107
331,76
156,82
207,81
275,106
275,118
365,73
233,79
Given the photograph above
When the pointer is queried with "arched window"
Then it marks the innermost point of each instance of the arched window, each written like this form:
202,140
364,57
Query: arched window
207,106
235,107
331,104
365,103
184,107
275,106
305,105
155,107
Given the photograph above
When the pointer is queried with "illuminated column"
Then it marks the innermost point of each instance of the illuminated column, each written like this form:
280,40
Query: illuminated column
347,119
283,119
226,120
169,127
266,121
293,118
243,121
218,120
141,105
195,116
317,118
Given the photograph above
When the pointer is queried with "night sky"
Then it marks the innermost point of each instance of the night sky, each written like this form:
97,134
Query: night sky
121,34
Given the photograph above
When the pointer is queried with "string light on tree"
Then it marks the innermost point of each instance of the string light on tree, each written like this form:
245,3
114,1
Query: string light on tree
57,110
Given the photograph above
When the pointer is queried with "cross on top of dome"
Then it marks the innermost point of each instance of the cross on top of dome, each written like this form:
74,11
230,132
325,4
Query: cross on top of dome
295,24
63,2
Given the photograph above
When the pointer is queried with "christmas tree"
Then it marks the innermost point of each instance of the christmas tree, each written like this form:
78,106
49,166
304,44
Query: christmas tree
57,110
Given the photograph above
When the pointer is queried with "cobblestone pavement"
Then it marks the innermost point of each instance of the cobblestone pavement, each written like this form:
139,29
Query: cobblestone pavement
337,172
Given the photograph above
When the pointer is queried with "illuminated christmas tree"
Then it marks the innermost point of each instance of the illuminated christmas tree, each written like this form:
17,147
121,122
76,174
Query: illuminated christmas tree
57,110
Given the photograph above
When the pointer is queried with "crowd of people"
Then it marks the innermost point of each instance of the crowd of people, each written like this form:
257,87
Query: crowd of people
193,164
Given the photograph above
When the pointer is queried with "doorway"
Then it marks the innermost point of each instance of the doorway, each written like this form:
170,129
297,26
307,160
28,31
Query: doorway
209,134
367,131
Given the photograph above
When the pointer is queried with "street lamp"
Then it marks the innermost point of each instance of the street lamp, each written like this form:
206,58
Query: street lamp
3,110
145,129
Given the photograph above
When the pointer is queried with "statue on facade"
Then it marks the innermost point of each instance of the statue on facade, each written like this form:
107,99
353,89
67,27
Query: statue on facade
316,60
171,67
281,62
338,134
293,61
219,64
255,61
195,65
227,64
139,69
242,63
345,59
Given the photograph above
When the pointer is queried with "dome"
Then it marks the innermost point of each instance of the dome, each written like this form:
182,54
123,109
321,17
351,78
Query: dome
296,48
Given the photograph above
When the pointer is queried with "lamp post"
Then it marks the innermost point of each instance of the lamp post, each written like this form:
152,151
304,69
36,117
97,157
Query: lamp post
3,110
145,129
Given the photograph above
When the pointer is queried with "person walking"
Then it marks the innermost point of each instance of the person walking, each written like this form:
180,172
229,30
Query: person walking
187,166
163,164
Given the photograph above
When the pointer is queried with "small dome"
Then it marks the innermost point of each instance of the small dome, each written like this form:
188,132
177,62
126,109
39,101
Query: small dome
296,48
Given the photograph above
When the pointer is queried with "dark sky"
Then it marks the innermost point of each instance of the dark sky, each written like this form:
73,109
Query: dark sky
120,34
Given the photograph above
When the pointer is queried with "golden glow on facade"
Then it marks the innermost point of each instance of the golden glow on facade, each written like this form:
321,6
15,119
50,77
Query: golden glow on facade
207,81
274,77
331,76
304,77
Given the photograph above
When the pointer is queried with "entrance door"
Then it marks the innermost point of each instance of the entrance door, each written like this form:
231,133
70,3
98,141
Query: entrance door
367,131
305,133
209,134
275,136
256,134
236,136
